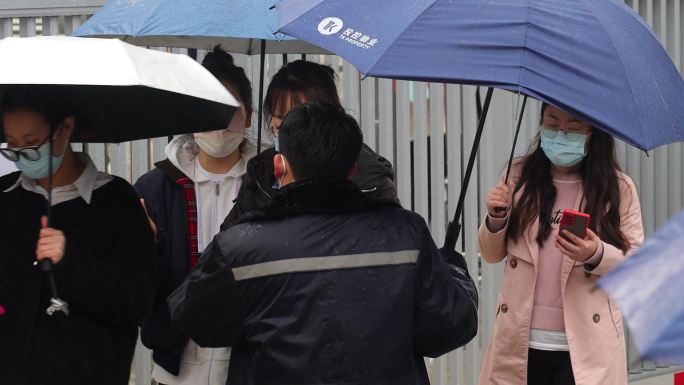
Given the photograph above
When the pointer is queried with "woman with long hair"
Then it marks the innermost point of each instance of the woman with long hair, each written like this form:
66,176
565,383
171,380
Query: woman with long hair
553,327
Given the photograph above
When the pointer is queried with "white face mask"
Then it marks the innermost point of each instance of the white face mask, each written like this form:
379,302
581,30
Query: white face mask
221,143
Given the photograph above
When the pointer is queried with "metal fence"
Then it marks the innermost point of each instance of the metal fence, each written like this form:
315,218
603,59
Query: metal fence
425,130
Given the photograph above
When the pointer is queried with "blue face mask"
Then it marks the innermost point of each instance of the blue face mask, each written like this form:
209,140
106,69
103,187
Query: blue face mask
564,149
40,168
276,143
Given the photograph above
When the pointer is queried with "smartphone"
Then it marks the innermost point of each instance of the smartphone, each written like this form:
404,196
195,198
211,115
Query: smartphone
574,221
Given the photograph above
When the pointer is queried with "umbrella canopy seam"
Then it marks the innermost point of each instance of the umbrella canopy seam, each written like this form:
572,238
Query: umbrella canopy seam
624,70
524,51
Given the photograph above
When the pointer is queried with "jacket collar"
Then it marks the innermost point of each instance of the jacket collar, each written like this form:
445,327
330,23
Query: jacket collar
89,180
316,196
171,171
181,156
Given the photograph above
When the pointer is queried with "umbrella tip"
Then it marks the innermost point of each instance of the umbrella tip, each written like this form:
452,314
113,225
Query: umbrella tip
272,7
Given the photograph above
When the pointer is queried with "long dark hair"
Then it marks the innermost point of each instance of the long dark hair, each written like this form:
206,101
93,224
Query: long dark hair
601,191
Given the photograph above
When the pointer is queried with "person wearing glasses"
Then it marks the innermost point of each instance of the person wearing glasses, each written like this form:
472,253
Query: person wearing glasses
294,84
6,166
98,240
552,326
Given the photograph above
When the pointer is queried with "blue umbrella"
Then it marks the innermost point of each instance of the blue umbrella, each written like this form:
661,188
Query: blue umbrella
239,26
648,287
595,59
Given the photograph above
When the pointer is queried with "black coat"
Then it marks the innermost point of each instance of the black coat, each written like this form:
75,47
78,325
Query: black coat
327,286
167,206
106,277
375,178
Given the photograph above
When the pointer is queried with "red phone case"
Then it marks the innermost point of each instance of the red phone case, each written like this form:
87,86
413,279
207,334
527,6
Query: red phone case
574,221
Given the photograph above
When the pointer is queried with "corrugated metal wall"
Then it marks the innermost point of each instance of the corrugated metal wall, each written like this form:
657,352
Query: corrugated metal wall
426,131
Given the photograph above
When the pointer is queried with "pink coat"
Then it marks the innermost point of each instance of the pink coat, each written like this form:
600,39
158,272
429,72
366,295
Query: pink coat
593,323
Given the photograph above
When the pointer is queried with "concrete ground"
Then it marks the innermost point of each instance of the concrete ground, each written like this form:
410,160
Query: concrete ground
667,379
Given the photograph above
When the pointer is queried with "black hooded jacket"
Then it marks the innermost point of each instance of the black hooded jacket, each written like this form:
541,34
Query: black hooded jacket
327,286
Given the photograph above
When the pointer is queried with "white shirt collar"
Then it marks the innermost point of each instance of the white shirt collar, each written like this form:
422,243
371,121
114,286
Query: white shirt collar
89,180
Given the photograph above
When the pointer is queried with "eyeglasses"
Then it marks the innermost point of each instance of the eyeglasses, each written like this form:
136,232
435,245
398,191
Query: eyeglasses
29,152
271,118
573,136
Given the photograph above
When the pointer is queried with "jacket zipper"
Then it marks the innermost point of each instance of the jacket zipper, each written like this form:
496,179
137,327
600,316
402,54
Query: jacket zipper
217,189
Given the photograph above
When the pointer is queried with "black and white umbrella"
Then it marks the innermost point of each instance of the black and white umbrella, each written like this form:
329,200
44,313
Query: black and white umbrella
125,92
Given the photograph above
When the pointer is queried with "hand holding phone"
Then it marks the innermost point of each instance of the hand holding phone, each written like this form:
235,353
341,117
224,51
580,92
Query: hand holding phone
575,222
581,244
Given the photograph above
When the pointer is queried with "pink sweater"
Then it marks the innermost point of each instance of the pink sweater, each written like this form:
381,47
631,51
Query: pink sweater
547,311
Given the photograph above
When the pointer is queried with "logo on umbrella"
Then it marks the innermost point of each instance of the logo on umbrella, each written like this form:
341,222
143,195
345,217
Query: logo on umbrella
330,26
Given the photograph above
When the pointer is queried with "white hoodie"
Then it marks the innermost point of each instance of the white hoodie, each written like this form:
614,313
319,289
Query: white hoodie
215,194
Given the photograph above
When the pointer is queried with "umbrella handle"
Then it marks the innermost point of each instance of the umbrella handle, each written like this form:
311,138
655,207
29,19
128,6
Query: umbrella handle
260,117
515,139
56,304
454,228
515,142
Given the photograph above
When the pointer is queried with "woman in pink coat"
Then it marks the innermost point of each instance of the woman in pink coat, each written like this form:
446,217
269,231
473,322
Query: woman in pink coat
552,327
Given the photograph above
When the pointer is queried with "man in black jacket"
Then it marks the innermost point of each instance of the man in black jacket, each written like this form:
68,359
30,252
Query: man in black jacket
325,285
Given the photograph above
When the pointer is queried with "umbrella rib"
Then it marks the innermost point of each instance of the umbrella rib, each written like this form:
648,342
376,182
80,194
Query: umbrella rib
667,108
250,51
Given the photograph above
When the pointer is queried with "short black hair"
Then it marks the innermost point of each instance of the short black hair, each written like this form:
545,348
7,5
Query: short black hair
302,81
54,103
320,140
220,63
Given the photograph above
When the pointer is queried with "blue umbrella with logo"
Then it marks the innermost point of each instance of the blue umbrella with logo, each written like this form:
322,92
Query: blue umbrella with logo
648,286
239,26
595,59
